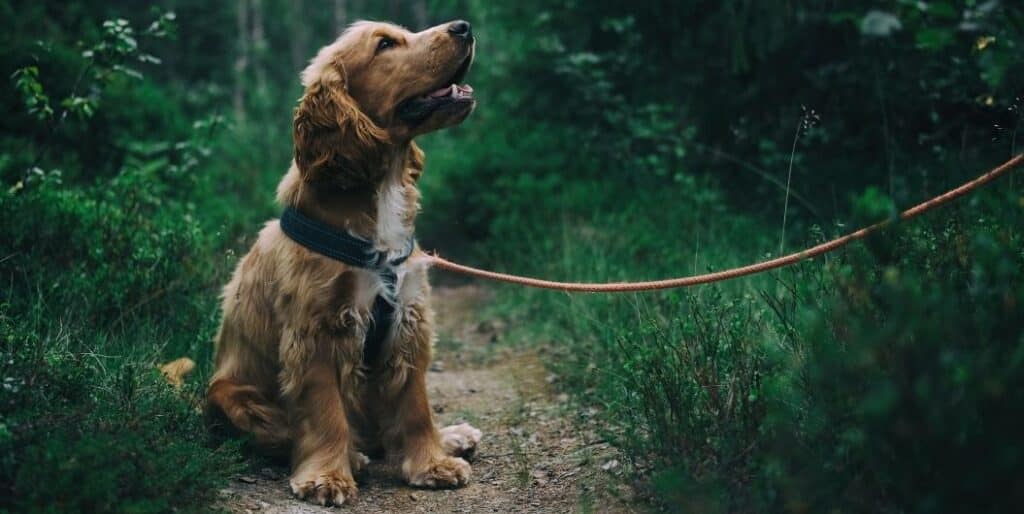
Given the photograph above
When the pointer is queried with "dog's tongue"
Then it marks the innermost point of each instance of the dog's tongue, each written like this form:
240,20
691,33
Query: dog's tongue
454,91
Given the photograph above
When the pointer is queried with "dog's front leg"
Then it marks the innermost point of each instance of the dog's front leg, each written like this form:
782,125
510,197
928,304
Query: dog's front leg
425,462
410,423
323,445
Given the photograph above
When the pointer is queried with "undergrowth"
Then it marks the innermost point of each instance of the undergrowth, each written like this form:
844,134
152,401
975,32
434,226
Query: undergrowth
115,242
650,139
880,378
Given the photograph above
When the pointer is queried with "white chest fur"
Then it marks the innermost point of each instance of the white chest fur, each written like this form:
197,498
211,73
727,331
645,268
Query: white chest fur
395,210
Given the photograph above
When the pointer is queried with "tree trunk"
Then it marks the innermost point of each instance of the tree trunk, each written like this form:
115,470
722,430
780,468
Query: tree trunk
419,13
242,58
340,15
258,47
299,37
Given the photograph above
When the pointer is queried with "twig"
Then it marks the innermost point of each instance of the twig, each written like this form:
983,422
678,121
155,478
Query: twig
715,152
789,178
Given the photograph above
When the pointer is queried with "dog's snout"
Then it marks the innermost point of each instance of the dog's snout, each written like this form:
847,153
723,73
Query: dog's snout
461,29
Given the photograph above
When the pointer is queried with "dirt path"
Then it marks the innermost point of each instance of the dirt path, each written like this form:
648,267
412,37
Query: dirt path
532,457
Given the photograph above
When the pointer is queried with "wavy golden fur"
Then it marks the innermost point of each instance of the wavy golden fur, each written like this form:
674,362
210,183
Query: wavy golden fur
290,371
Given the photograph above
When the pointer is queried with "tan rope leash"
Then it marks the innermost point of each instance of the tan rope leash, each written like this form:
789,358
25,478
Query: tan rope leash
793,258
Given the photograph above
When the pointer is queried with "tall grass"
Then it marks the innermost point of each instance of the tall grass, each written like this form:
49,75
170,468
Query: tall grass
813,387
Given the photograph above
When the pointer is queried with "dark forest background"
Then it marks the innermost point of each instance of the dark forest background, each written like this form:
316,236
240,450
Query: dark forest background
140,146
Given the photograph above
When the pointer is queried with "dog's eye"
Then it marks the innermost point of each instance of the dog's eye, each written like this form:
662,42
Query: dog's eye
385,43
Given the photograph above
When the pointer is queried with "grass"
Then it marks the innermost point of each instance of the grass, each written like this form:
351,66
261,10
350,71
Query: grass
105,280
89,425
714,391
883,378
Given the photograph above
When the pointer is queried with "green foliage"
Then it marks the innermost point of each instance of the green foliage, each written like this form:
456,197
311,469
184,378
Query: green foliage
89,427
108,274
902,397
612,142
654,140
26,81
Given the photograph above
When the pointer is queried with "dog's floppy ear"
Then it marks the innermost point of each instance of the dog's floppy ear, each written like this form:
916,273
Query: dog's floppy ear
414,161
334,141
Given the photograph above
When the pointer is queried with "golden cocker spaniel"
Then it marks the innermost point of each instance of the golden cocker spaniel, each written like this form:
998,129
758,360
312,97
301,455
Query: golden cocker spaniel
327,326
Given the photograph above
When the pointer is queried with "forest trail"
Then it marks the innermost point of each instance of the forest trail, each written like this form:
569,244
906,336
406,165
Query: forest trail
532,458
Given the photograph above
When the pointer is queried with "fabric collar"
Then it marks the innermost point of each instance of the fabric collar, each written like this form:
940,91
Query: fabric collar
338,244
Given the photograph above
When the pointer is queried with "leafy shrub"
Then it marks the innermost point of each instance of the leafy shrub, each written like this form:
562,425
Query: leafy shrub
110,270
84,428
901,399
877,379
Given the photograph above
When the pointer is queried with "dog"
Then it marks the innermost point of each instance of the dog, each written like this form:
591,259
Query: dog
320,357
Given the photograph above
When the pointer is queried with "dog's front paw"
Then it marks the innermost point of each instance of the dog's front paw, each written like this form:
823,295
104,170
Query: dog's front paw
325,489
460,440
440,473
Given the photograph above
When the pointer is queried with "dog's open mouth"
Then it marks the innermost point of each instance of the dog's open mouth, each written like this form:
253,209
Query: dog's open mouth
450,93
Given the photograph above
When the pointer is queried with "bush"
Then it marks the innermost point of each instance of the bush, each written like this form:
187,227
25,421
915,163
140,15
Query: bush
655,141
110,270
901,397
90,426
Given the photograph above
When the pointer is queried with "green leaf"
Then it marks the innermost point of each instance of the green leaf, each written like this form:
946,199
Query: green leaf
879,24
934,38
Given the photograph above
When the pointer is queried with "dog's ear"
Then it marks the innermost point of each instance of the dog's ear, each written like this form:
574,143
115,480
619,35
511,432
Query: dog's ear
335,141
414,161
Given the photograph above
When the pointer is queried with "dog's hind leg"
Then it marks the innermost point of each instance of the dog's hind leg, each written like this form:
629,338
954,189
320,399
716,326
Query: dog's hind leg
409,430
250,411
460,440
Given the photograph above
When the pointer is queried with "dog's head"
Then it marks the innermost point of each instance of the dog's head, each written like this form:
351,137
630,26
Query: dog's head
376,87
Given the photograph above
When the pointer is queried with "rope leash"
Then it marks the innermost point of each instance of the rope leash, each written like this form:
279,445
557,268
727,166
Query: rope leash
707,278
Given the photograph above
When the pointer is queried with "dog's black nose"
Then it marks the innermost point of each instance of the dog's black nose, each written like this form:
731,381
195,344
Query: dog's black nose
461,28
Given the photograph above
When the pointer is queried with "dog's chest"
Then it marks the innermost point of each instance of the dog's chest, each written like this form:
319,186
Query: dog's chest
409,282
403,293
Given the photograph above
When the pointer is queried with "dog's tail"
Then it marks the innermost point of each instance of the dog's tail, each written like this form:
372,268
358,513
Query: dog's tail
176,371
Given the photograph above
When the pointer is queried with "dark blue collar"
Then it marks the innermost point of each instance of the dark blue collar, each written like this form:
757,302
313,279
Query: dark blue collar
354,251
338,244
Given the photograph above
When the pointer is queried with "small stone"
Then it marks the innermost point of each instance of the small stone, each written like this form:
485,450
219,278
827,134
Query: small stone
270,473
437,366
414,497
551,379
540,477
610,465
247,479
